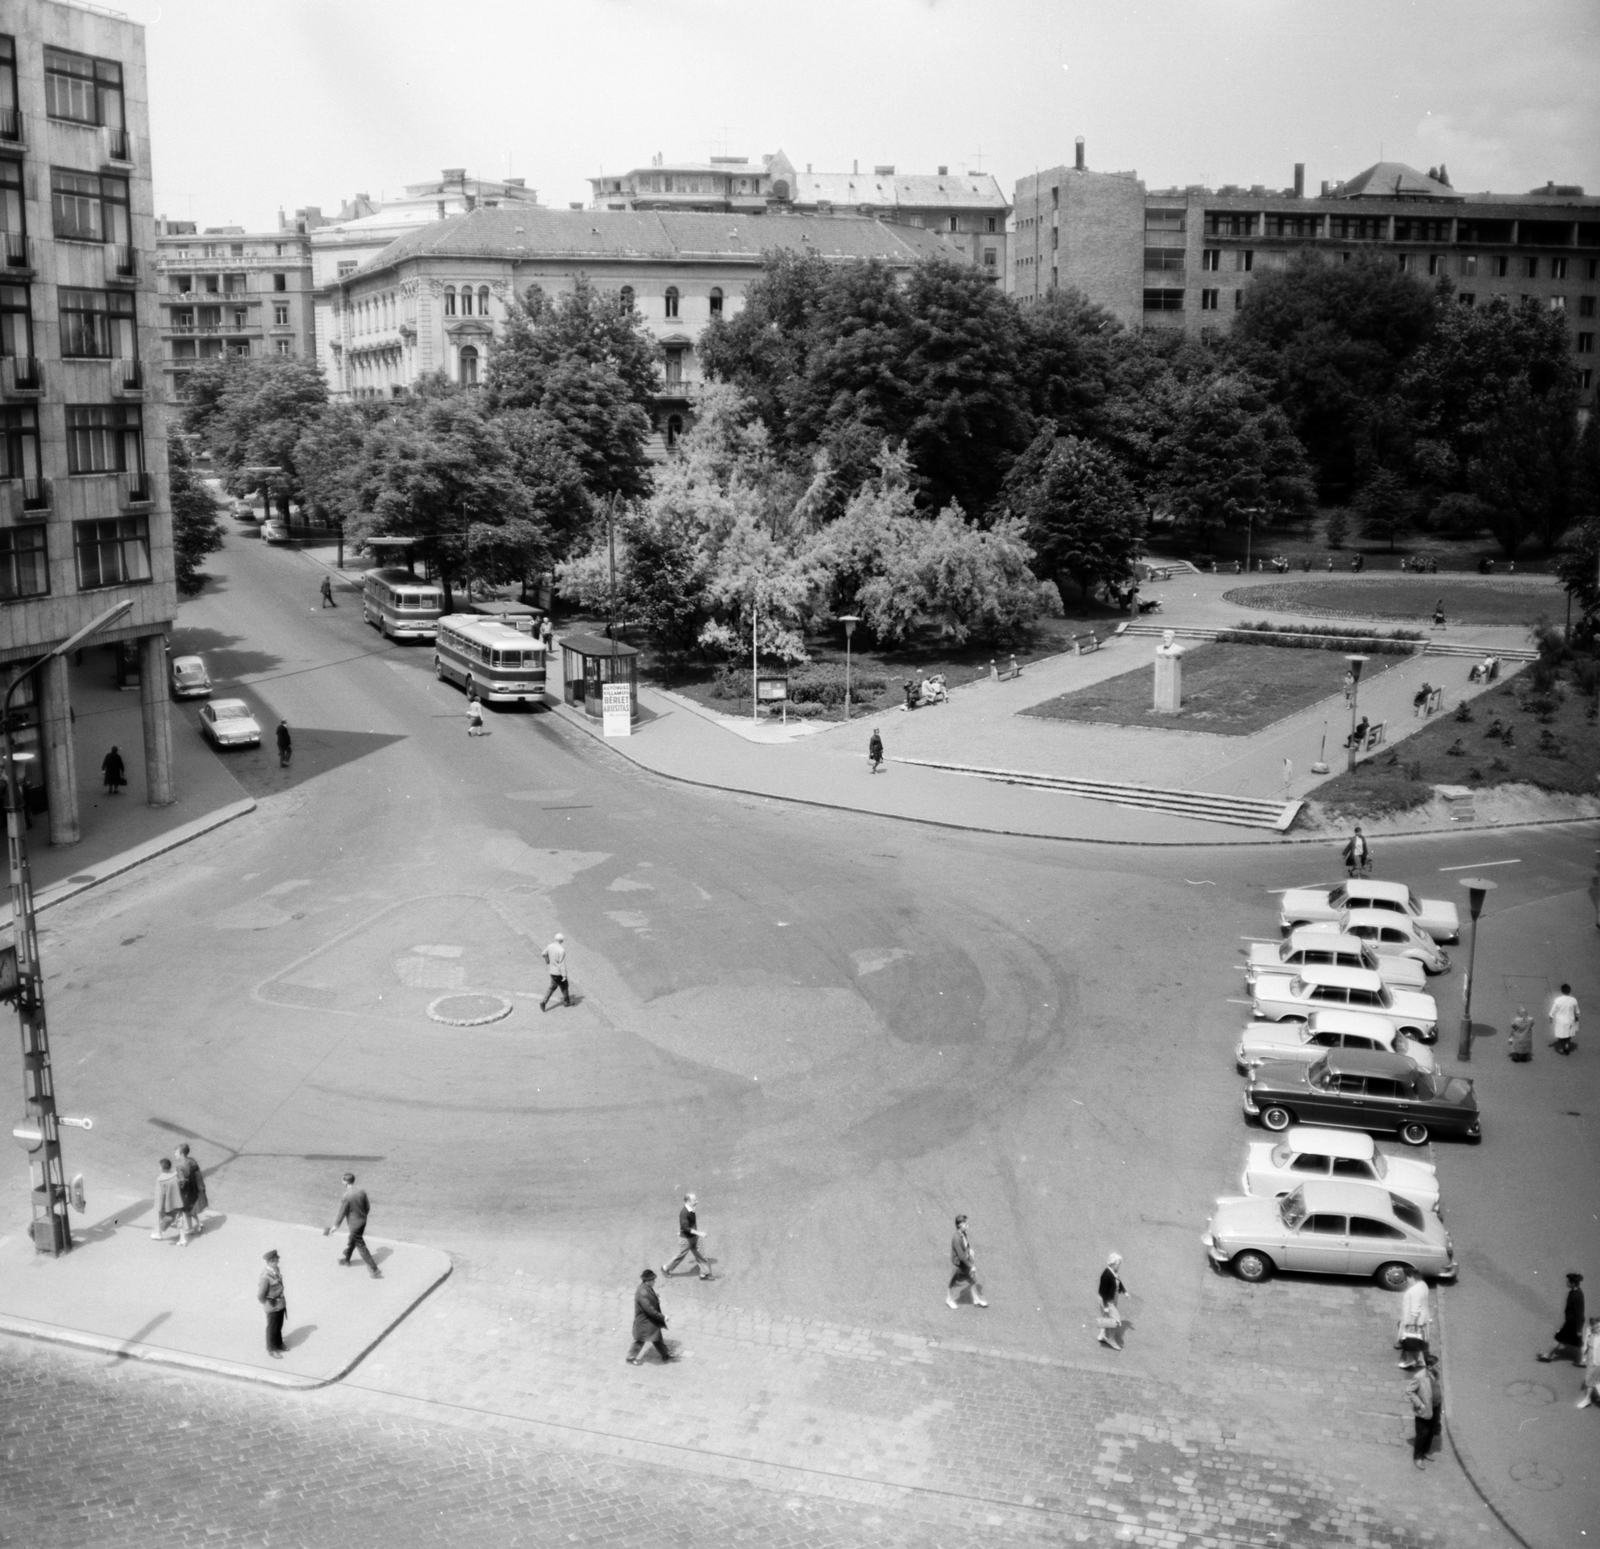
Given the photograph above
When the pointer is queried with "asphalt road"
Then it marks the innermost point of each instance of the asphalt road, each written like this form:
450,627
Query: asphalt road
838,1030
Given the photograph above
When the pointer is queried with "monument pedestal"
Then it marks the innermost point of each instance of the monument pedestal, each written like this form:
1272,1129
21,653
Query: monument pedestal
1169,676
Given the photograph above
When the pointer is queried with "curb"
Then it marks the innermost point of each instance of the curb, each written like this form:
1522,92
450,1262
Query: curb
104,871
50,1333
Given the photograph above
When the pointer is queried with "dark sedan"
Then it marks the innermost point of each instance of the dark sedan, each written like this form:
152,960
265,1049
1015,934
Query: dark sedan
1364,1089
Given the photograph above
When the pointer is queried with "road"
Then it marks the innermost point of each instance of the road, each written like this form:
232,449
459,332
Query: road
839,1031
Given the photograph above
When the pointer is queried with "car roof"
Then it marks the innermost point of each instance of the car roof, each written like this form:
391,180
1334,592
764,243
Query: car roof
1398,891
1378,917
1336,1021
1369,1062
1325,940
1345,1195
1337,973
230,704
1331,1142
188,661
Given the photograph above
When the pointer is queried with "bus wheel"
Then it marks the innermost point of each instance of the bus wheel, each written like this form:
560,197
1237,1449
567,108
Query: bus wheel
471,687
438,669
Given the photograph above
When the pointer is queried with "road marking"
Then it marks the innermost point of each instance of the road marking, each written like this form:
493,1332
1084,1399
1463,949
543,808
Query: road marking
1481,865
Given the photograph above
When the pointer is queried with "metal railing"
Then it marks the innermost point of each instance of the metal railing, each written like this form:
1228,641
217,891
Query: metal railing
11,125
21,374
35,494
128,375
117,144
122,262
18,250
137,489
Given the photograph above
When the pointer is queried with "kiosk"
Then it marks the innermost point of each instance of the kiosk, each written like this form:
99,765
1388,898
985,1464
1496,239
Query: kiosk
588,663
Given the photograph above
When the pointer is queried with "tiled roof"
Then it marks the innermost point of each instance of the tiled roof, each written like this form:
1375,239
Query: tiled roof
655,234
1391,180
919,190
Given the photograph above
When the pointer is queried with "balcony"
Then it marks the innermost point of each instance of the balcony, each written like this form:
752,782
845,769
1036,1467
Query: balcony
21,376
17,252
127,379
116,148
209,298
122,264
11,128
138,490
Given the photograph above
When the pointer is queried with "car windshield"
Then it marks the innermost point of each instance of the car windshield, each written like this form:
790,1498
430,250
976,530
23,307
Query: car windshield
1292,1209
1337,897
1450,1089
1297,985
231,713
1318,1075
1405,1211
191,670
1412,904
1380,1164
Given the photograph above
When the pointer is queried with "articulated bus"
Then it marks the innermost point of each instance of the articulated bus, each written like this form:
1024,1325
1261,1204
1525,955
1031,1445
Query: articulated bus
397,604
499,664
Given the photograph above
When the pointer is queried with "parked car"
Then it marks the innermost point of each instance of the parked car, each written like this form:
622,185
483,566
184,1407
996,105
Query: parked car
1390,935
1318,945
1331,1228
1272,1168
1323,1030
1311,905
190,680
1277,997
228,723
1363,1089
275,530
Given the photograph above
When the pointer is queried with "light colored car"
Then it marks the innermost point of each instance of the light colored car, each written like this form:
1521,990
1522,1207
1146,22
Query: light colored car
1390,935
1312,905
1321,1031
1330,1228
274,530
228,723
190,680
1319,945
1273,1168
1278,997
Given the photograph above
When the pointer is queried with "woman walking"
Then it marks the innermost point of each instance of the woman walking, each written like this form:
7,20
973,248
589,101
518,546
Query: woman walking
1111,1287
474,717
1590,1355
875,750
115,772
285,745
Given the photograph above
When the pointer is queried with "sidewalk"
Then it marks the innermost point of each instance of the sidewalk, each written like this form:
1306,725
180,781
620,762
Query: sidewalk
122,1293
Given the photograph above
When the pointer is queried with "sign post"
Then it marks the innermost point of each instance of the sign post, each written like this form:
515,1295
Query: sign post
774,691
616,709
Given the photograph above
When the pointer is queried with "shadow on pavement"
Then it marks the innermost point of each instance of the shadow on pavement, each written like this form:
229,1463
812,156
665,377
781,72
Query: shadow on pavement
225,661
317,751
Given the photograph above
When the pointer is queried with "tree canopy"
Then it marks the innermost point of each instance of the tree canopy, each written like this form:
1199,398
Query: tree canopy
251,414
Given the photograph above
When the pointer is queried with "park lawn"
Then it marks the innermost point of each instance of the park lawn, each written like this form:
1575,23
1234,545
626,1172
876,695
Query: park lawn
1229,690
1411,599
1405,776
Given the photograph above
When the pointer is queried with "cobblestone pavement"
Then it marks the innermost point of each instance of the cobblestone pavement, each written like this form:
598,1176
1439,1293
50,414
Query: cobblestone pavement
505,1417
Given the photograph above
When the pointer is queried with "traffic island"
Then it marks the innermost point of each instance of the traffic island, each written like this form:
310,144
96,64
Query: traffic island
124,1294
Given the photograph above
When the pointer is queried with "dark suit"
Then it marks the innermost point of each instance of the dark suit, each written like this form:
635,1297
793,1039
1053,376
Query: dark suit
269,1292
354,1209
649,1322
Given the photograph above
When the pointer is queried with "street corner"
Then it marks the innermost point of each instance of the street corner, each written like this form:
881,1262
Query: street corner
133,1296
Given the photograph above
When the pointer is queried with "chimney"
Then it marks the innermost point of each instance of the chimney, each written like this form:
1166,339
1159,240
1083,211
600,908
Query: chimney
944,172
1299,180
1078,162
1324,188
855,168
455,174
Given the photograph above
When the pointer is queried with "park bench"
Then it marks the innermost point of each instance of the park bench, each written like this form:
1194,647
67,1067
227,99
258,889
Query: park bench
1376,736
1158,572
1433,703
1004,674
1082,645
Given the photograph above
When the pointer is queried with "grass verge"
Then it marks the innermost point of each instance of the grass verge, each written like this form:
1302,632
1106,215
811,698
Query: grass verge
1410,598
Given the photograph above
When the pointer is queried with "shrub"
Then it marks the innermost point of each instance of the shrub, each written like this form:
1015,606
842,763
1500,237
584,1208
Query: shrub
1343,631
1585,674
1338,526
1398,642
822,683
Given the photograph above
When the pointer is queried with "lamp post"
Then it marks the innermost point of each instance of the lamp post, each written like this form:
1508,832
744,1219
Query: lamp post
1321,765
1478,888
849,620
1356,664
40,1129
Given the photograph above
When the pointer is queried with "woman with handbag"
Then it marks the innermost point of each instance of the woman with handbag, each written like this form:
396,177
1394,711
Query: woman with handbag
1111,1287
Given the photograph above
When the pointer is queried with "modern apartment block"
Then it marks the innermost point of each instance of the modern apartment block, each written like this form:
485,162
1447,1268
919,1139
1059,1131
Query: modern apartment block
1184,257
225,291
84,516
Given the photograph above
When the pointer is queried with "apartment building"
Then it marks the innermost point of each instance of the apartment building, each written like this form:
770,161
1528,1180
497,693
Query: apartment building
84,516
1185,257
224,291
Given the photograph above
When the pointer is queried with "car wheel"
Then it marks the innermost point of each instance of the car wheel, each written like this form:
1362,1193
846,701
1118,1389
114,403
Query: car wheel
1392,1277
1252,1266
1414,1134
1276,1119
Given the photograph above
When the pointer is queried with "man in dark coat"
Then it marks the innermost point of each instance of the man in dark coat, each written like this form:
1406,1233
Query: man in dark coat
191,1188
875,750
354,1208
285,745
649,1322
1569,1337
269,1292
115,772
965,1261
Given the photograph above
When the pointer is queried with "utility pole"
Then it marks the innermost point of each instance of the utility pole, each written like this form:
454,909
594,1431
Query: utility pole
849,620
755,650
611,544
1478,888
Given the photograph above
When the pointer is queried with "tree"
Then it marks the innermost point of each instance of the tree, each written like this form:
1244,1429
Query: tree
328,456
1387,507
1523,472
196,529
1069,346
1078,511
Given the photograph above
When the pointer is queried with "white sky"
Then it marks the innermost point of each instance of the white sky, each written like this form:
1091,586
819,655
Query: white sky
257,104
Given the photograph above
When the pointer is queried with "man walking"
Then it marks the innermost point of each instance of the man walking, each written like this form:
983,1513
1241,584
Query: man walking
1108,1290
1423,1391
1520,1038
191,1188
649,1322
474,717
269,1292
169,1203
1569,1337
327,593
354,1208
1564,1020
689,1234
285,745
966,1265
1416,1323
1357,855
556,956
875,750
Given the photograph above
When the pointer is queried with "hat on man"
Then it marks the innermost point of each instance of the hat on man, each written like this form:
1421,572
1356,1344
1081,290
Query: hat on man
648,1274
560,937
271,1255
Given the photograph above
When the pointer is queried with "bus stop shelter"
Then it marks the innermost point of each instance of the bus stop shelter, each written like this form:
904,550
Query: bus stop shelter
588,663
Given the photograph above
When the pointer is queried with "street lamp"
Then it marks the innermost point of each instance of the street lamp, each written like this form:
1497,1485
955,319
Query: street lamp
849,620
51,1232
1478,888
1356,664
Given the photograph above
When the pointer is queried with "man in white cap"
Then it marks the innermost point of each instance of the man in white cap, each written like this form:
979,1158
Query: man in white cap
556,956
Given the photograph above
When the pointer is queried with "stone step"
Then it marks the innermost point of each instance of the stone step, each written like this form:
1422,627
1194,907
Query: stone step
1477,652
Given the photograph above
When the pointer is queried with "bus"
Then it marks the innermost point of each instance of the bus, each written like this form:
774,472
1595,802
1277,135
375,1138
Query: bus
499,664
397,604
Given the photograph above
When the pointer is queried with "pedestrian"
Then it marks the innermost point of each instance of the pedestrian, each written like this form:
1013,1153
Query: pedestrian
285,745
191,1189
1349,685
1423,1391
327,593
1564,1021
1419,701
875,750
649,1322
1288,772
169,1203
1569,1337
1109,1289
1411,1336
1357,854
474,716
354,1208
1520,1038
114,771
555,955
1590,1355
269,1292
1330,564
966,1265
689,1235
1438,614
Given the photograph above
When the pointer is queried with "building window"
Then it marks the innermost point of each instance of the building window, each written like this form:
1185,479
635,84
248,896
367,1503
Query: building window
625,298
1292,226
1055,238
1245,261
183,349
955,224
469,364
1227,223
716,301
449,301
1238,300
991,259
19,443
97,323
466,301
286,346
989,225
674,430
280,282
672,301
1586,344
1164,259
674,368
1164,220
24,563
1502,267
1208,300
280,317
1211,259
1467,299
112,553
89,208
1585,306
1469,263
13,221
16,324
347,266
1055,198
10,118
1585,380
1159,300
105,438
483,301
1357,228
1533,268
1402,261
82,90
1558,303
1558,268
1434,262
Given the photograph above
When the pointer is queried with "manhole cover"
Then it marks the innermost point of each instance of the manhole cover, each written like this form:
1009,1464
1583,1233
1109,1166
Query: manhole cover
1526,1392
1536,1476
470,1010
